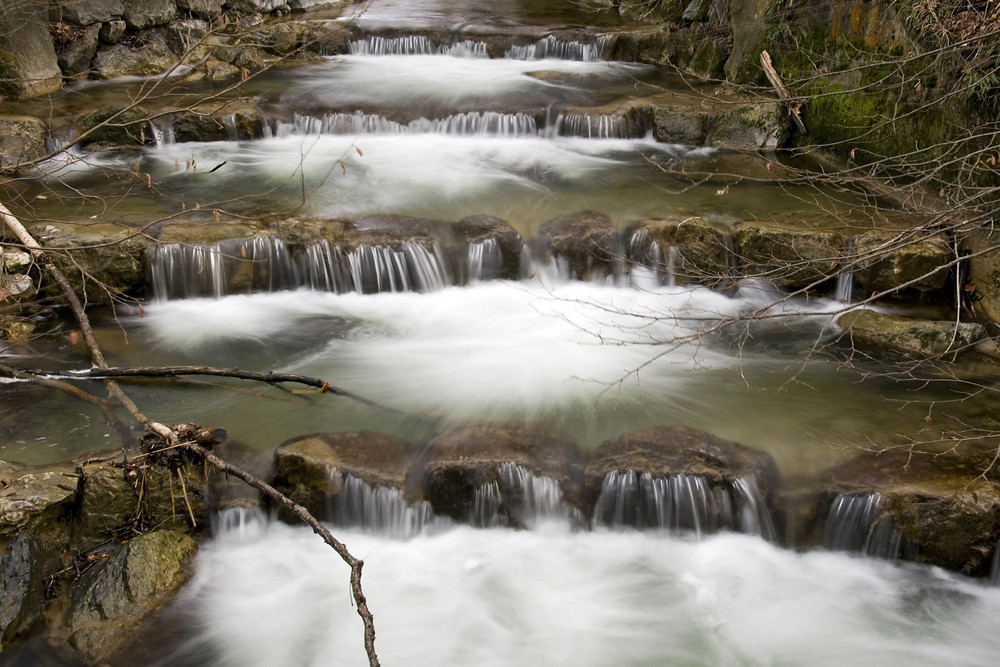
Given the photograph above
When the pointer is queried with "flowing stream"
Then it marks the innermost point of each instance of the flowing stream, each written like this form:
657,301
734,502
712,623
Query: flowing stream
404,126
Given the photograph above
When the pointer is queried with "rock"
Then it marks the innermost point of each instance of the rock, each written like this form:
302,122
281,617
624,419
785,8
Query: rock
202,9
749,26
117,501
112,599
679,125
942,509
480,228
241,120
899,261
253,6
108,260
913,337
586,239
142,14
76,54
28,63
112,31
115,125
142,54
788,258
23,572
22,139
37,499
454,465
983,286
85,12
316,5
14,261
757,126
311,469
703,251
184,37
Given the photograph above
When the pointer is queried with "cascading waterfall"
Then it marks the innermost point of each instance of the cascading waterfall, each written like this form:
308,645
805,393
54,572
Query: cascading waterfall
557,49
685,503
646,252
599,126
378,509
860,523
265,264
235,265
845,280
486,123
484,260
521,497
415,45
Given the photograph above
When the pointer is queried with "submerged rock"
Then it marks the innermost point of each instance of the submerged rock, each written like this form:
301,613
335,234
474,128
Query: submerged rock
914,337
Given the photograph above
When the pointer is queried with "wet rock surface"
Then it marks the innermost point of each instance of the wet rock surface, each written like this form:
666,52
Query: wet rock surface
910,336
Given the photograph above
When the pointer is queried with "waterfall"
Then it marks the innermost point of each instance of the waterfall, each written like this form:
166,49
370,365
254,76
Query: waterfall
688,503
860,523
484,260
229,123
594,126
557,49
523,497
415,45
163,131
995,566
645,251
486,123
553,270
533,499
486,504
371,269
235,265
378,509
845,280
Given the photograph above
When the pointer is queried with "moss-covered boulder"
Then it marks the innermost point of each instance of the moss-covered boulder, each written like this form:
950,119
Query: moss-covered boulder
115,125
112,599
912,337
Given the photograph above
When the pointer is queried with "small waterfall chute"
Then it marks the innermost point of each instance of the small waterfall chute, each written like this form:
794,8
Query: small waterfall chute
484,260
861,523
521,498
415,45
557,49
378,509
682,503
595,126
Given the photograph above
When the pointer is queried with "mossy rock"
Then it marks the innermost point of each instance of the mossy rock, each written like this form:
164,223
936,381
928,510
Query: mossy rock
788,258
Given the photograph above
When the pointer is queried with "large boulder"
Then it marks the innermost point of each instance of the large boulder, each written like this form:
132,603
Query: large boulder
142,14
112,599
913,337
145,53
983,286
85,12
28,63
937,508
202,9
786,257
115,125
76,51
